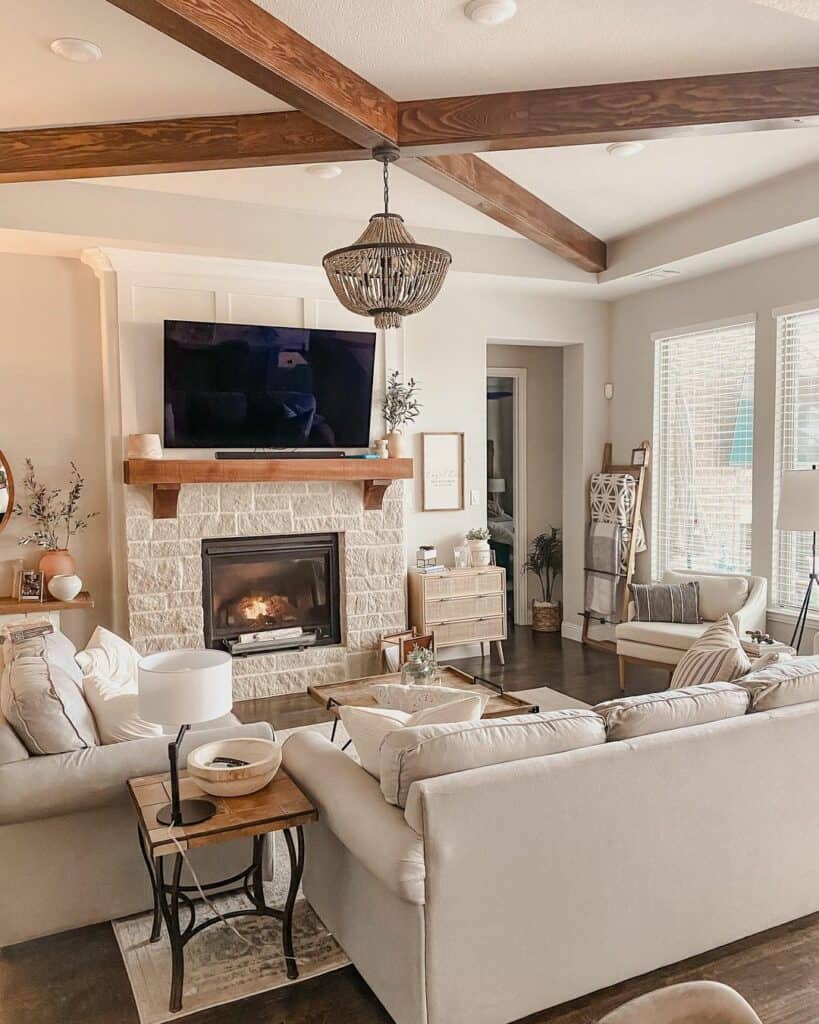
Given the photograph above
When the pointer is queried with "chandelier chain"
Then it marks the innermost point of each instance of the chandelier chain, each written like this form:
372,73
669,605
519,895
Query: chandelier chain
386,186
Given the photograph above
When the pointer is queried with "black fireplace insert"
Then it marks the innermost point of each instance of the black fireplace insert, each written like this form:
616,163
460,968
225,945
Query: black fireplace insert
271,593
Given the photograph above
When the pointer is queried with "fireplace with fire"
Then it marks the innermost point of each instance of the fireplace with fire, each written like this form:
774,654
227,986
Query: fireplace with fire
271,593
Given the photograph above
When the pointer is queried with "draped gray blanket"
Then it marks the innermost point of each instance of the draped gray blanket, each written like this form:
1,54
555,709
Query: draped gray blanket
604,545
601,593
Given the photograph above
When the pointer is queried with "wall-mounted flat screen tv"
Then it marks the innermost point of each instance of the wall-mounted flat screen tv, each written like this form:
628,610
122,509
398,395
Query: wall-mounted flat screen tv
239,386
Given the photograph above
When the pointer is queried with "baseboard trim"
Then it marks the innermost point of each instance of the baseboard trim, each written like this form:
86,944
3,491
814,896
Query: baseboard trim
571,631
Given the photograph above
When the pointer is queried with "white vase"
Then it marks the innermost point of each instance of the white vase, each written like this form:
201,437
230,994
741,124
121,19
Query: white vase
479,553
64,586
397,444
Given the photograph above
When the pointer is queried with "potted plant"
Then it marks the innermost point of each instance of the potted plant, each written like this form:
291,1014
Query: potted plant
545,560
400,408
478,541
57,519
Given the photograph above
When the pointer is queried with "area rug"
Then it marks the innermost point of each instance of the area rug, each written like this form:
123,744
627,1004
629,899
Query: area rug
219,967
548,699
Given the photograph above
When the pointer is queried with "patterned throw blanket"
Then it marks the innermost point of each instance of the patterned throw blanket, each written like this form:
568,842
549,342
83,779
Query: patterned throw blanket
612,497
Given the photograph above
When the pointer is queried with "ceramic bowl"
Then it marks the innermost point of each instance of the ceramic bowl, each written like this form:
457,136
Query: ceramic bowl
263,757
64,586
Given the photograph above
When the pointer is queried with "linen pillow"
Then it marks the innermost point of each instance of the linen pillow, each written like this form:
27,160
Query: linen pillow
629,717
784,683
666,602
716,656
368,727
42,699
429,751
109,679
719,594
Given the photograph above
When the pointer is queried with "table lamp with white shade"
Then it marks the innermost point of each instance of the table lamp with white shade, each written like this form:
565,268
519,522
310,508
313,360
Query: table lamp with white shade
799,512
495,486
180,689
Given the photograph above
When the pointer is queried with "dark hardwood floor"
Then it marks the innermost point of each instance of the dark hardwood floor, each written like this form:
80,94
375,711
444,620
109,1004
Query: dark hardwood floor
78,977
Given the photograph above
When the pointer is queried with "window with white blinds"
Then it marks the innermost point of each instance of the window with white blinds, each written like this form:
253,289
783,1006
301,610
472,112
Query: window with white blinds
797,444
703,449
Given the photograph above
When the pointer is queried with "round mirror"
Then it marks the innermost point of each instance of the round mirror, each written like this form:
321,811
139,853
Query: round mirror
6,492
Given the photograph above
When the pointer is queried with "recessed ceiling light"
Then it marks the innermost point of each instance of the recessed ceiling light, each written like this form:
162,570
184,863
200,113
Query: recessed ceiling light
324,171
490,12
623,150
79,51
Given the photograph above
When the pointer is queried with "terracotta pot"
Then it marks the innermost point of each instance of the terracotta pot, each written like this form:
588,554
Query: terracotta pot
397,445
59,562
546,616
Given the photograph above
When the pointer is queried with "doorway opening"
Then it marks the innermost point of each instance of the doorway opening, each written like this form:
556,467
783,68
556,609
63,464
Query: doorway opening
506,479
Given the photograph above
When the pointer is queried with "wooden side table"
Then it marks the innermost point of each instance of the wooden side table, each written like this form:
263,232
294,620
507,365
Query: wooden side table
279,807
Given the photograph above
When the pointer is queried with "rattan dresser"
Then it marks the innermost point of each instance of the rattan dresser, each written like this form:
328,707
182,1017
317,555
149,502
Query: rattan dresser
462,606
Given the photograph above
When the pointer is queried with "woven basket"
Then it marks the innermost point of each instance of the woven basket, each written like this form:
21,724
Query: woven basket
546,618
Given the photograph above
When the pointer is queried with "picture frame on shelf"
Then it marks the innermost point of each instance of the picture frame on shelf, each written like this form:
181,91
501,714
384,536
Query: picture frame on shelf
638,456
31,585
442,471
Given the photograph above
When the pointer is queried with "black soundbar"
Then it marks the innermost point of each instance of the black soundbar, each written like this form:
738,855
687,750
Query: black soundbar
280,455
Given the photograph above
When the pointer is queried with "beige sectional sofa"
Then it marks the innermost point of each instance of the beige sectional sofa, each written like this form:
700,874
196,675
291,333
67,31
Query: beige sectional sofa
68,841
662,644
502,890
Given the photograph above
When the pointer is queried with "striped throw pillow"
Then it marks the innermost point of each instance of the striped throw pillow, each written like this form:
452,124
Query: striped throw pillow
666,602
716,657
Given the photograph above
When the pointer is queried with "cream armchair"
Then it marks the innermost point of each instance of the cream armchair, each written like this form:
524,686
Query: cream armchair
662,644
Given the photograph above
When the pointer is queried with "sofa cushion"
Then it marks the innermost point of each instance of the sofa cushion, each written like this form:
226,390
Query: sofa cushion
11,749
786,682
109,681
628,717
367,727
666,602
679,635
717,656
719,594
42,699
425,752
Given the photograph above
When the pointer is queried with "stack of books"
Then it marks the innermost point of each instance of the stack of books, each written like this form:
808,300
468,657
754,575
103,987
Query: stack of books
433,570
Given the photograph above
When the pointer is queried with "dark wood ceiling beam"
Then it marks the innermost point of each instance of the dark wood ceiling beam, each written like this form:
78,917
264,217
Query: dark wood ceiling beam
579,115
184,144
243,38
481,186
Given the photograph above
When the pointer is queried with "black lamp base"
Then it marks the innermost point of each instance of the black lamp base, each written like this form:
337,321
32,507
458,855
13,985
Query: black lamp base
191,812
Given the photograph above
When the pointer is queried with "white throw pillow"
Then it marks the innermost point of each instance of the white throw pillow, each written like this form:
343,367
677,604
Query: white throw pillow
412,698
42,699
719,595
368,727
429,751
109,668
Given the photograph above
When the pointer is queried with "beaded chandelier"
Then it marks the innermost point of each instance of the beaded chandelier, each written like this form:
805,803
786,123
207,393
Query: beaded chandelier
385,273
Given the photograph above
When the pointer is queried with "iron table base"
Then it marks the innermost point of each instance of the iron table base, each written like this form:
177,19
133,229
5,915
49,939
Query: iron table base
170,896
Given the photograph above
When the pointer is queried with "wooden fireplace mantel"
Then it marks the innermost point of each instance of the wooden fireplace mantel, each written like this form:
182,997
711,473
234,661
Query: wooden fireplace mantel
167,476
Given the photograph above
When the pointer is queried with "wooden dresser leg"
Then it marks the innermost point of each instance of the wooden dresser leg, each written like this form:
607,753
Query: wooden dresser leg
484,649
621,666
499,649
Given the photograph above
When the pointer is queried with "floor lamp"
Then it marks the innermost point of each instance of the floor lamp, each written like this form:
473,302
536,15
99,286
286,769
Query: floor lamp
799,511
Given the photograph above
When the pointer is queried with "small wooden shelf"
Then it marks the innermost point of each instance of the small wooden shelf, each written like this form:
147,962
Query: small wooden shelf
10,606
166,476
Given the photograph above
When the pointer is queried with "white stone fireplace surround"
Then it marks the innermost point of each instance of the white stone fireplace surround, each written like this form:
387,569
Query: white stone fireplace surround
164,572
